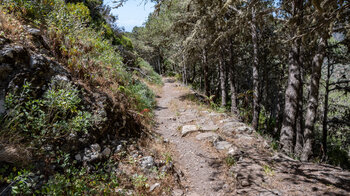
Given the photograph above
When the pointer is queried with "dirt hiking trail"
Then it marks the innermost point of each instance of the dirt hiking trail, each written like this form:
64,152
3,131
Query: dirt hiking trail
218,155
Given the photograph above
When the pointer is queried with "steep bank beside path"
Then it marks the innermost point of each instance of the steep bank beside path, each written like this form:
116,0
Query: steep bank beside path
218,155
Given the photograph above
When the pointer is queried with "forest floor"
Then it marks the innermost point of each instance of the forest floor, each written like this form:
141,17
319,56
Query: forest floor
218,155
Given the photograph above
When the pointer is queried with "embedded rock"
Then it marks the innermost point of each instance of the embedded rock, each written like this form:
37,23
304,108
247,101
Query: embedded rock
232,128
95,148
106,152
208,136
209,128
188,129
222,145
147,162
154,186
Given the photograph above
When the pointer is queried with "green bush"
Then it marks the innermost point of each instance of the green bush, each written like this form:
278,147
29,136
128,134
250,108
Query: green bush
57,113
151,75
144,96
73,180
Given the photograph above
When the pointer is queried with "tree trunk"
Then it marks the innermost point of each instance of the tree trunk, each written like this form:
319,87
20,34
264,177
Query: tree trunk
256,92
325,114
294,84
298,149
193,74
159,66
206,74
184,77
222,82
291,101
234,109
313,99
231,80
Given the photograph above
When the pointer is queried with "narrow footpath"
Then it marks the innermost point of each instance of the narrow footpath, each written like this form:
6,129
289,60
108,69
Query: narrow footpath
218,155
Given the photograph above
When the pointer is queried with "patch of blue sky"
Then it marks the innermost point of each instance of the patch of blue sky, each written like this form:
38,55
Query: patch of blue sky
132,13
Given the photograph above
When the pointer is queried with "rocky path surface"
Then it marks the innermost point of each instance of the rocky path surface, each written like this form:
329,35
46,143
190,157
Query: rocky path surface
218,155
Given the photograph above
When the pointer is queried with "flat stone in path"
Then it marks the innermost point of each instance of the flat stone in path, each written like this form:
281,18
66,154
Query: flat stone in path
188,129
209,135
209,128
222,145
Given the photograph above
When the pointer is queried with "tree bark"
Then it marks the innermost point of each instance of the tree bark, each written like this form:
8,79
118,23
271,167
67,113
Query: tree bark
313,99
222,82
159,66
325,114
291,101
298,149
231,80
292,93
234,109
256,92
206,74
184,77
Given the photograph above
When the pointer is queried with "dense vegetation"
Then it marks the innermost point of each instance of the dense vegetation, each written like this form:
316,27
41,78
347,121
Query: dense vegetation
48,123
282,66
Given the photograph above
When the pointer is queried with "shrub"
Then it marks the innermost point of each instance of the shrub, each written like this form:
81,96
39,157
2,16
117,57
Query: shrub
56,114
144,96
151,75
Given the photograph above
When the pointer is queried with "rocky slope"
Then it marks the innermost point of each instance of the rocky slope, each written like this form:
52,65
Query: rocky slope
74,128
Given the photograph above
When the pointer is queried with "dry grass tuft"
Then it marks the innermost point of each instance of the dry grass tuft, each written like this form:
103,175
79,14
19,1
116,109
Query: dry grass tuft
11,28
16,154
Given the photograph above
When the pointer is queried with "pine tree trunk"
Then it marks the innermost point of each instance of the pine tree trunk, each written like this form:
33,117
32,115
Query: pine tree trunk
234,109
231,81
291,101
222,82
294,84
298,149
206,74
184,70
256,93
325,114
313,100
159,66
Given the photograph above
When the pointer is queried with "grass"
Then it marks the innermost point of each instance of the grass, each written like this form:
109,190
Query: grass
268,170
230,161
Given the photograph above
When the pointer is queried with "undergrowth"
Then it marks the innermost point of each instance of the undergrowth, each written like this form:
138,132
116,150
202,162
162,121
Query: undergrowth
79,38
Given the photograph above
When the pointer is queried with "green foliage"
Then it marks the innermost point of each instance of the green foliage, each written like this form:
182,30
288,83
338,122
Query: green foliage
230,161
80,182
126,42
337,154
139,181
35,10
72,181
168,158
57,113
88,50
144,96
152,76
